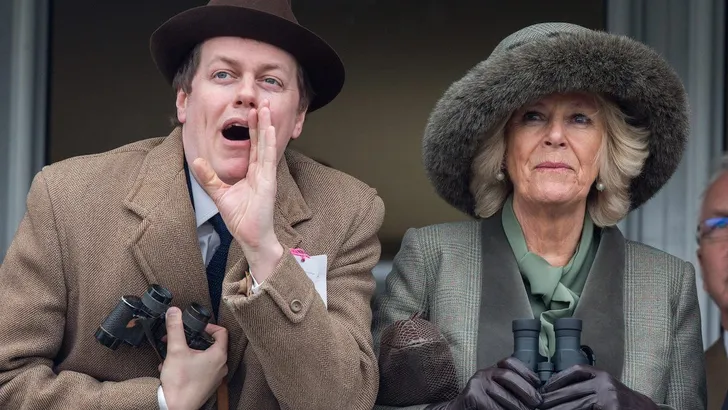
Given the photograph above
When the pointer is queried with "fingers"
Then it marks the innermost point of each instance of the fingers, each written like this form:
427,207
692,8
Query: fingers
505,398
176,342
207,177
253,130
270,158
518,387
572,375
264,123
212,328
515,365
220,335
563,400
263,154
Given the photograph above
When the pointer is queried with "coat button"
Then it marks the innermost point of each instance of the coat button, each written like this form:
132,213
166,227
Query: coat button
296,305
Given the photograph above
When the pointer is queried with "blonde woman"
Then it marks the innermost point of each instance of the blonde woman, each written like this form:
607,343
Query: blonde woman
549,143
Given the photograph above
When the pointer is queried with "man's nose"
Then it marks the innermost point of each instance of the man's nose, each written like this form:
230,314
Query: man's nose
247,94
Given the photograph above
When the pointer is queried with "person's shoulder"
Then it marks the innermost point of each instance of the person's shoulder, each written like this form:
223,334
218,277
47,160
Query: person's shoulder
455,230
323,187
449,235
108,174
638,251
645,259
106,165
715,351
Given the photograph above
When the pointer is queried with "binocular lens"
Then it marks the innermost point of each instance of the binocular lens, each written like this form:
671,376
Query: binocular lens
525,340
195,317
157,299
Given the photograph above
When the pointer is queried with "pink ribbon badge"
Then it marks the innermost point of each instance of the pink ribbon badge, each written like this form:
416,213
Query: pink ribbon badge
300,253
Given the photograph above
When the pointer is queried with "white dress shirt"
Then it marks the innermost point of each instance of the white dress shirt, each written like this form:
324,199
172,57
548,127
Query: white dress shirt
207,239
725,340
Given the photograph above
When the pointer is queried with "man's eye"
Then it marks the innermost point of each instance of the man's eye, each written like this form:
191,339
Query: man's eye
272,81
222,75
721,224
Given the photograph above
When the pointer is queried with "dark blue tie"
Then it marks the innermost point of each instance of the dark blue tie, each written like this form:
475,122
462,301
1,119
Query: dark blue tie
216,267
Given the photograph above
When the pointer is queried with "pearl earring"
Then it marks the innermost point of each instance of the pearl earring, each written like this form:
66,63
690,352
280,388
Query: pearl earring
600,186
500,176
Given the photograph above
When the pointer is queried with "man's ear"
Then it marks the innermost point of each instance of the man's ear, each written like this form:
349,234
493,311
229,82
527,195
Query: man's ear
181,103
298,126
699,254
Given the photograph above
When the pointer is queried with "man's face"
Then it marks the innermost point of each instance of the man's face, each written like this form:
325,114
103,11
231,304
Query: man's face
713,250
234,76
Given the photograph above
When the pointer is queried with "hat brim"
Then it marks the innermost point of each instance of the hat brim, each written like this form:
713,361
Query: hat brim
172,42
641,82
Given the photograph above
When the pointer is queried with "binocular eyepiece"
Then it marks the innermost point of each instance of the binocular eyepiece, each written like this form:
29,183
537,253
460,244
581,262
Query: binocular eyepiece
568,350
136,319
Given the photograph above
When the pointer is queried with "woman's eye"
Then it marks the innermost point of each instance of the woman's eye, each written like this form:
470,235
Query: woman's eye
582,119
532,116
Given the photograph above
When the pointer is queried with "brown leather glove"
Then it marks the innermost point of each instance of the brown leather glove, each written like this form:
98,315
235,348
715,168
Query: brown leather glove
586,387
508,385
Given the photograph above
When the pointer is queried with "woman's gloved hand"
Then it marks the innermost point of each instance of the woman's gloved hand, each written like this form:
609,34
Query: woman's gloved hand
585,387
508,385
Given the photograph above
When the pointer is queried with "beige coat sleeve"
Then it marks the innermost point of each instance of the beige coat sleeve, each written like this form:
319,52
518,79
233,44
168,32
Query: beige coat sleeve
306,351
32,323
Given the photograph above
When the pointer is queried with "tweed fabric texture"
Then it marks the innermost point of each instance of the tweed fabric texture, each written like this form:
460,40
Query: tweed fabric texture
438,272
716,371
102,226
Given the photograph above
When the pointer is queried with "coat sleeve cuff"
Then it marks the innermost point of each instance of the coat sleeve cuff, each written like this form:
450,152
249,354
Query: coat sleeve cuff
289,288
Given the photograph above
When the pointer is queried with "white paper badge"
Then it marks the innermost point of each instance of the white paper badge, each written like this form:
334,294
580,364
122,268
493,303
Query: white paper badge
315,268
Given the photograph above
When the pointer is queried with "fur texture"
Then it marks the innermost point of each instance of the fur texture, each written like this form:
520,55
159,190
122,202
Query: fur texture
548,58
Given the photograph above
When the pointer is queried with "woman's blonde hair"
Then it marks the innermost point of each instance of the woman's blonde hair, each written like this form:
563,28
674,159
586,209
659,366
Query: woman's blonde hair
621,157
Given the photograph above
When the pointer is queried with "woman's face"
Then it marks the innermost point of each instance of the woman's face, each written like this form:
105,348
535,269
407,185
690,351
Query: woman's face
552,148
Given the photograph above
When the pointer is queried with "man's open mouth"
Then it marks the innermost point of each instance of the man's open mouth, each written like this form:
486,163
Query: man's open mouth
236,132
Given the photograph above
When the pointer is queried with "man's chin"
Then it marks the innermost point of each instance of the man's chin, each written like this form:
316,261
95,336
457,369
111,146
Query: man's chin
232,174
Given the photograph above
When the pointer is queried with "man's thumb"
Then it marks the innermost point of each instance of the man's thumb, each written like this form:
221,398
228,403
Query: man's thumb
175,333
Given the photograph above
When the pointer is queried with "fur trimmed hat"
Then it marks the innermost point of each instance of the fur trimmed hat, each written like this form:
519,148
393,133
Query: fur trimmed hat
557,58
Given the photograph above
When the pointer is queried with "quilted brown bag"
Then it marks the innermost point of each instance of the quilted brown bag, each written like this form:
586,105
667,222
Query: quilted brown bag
415,364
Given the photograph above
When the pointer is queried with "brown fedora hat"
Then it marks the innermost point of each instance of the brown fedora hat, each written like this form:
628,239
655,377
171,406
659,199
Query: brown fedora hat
269,21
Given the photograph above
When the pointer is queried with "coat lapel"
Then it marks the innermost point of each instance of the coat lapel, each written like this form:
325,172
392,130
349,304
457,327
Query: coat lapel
165,242
504,298
601,304
291,209
503,295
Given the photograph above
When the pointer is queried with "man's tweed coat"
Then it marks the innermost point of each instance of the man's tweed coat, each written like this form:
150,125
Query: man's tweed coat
102,226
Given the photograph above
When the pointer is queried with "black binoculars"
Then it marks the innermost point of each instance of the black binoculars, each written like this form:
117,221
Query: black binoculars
136,319
568,350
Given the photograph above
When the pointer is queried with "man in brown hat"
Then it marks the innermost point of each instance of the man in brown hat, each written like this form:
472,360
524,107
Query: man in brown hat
712,235
278,247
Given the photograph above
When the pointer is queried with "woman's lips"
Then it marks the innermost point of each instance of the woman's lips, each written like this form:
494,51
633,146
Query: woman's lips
553,165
